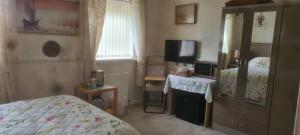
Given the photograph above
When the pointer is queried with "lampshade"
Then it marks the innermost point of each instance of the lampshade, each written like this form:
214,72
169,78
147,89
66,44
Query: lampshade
236,54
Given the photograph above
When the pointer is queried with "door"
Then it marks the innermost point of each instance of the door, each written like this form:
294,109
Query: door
260,57
229,55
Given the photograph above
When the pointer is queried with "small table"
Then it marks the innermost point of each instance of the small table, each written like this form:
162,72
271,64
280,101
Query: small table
89,93
194,85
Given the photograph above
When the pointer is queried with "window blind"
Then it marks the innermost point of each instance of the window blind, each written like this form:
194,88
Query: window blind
116,36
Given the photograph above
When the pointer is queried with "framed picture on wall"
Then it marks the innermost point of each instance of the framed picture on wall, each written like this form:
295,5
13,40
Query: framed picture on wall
185,14
47,16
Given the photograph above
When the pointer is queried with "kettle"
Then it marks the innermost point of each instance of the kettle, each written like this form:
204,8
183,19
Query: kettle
98,75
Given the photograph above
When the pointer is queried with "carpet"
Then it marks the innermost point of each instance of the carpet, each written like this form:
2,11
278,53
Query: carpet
162,124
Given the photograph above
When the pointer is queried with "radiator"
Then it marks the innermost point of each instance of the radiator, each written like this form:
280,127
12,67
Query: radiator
121,80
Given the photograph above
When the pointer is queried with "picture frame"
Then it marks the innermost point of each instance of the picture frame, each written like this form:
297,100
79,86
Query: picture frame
186,14
59,17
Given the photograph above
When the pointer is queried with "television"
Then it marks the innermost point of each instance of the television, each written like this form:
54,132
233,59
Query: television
181,51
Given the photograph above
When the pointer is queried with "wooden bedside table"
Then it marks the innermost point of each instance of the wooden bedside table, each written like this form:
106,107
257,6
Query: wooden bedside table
88,95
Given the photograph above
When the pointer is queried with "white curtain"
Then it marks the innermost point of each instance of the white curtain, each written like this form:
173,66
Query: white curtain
116,39
138,35
93,13
7,47
227,39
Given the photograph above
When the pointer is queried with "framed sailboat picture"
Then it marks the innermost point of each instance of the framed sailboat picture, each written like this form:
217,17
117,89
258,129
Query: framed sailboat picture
48,16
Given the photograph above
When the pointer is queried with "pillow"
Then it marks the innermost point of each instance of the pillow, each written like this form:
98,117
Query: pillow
260,62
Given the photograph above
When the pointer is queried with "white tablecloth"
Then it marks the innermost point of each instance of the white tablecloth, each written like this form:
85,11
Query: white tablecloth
191,84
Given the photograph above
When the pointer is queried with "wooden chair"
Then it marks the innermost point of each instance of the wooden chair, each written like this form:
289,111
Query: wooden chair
154,83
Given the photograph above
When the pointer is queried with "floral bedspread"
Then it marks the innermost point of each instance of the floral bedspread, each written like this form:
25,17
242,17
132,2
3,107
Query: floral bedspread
59,115
228,81
256,89
257,84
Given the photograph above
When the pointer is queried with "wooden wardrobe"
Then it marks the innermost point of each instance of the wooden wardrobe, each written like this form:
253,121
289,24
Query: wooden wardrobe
259,70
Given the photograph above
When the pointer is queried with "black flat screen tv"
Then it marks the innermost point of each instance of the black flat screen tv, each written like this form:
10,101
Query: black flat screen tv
180,51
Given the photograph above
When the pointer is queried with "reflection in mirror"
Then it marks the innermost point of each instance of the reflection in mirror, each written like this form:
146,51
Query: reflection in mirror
233,29
259,56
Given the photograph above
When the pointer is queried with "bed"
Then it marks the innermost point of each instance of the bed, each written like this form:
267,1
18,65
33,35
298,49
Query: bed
257,81
59,115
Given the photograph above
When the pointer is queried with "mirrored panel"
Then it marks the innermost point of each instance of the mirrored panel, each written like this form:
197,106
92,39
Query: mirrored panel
232,39
259,57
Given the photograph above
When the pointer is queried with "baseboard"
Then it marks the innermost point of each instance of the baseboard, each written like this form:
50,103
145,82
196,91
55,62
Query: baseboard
134,102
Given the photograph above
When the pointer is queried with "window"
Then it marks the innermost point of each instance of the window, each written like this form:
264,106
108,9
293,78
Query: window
116,36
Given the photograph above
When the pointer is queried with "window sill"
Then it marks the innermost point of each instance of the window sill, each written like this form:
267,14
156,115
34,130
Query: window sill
115,60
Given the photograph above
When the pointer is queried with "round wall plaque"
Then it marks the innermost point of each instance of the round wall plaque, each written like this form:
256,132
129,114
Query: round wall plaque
51,49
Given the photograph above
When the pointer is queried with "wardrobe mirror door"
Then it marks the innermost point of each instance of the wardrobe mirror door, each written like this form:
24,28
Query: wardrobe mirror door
258,61
233,29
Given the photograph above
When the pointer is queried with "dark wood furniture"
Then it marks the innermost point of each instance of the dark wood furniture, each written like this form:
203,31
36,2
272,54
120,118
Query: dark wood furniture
88,94
246,2
236,114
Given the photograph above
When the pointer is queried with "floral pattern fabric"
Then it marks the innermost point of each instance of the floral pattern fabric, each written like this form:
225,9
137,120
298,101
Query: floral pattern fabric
228,81
260,62
257,82
59,115
191,84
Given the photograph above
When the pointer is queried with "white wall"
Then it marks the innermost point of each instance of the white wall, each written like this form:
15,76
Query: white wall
264,33
161,26
38,76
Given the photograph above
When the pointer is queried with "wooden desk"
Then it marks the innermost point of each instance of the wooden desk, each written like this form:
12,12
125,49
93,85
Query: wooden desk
89,93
